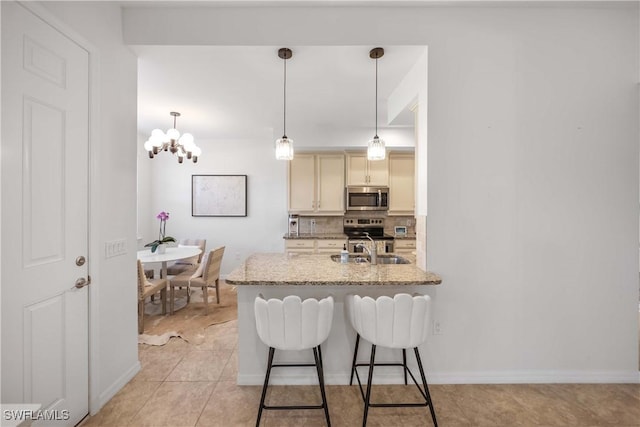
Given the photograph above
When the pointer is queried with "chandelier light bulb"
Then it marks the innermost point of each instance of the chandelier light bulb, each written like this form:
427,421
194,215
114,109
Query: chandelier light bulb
186,139
173,134
195,154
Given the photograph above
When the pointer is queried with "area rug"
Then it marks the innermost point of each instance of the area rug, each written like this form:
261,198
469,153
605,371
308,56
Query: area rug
189,321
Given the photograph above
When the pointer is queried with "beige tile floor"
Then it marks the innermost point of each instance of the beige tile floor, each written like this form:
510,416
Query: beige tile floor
194,385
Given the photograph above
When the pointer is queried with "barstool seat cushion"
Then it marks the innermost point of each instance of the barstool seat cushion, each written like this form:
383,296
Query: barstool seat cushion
398,322
293,324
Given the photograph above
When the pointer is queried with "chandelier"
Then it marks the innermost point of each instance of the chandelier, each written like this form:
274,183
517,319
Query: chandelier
182,146
284,145
375,149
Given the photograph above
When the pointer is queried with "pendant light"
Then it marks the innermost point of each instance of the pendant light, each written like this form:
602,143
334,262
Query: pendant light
284,145
376,149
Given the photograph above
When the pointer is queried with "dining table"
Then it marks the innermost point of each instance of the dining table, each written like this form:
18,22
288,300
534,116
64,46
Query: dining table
171,254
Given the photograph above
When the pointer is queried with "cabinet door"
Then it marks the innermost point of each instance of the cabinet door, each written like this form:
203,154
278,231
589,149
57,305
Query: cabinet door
378,171
361,171
404,246
357,169
299,246
401,184
330,184
302,184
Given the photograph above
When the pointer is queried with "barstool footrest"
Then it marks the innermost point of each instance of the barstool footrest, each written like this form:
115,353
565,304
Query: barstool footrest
396,405
424,395
294,407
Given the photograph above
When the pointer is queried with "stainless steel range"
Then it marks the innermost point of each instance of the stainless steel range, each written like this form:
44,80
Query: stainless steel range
356,230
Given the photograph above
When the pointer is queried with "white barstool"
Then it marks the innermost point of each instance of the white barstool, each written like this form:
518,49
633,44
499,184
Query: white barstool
293,324
400,322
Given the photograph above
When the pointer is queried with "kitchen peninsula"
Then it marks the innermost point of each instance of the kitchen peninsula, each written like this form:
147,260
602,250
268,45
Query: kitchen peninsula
276,275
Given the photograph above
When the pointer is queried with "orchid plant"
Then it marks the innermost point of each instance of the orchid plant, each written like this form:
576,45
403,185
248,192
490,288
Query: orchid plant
162,237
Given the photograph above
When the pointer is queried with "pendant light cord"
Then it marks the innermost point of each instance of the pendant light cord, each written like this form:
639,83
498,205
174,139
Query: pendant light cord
376,96
284,126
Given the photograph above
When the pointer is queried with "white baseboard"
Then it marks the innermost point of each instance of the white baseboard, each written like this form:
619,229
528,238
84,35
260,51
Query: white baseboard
517,377
535,377
117,385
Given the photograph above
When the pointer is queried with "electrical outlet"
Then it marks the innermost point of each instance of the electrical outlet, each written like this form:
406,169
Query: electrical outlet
437,327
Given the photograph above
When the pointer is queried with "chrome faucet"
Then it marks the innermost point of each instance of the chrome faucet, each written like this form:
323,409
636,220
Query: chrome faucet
373,251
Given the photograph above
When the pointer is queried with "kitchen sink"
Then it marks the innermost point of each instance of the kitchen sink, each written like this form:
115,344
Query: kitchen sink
365,259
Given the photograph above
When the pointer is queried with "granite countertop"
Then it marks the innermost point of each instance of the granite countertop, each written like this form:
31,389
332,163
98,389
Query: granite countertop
319,269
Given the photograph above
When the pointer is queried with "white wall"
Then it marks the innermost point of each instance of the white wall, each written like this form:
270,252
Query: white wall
262,230
532,171
113,321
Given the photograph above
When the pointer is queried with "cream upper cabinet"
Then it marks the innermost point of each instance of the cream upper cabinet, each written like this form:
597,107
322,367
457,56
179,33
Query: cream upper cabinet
401,184
361,171
316,184
302,183
330,193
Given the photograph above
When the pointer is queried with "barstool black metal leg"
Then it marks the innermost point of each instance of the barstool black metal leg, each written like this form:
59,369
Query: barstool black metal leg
368,397
320,369
404,364
266,383
355,356
426,387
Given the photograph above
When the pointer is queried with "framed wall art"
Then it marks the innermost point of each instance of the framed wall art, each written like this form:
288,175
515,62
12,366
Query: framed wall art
219,195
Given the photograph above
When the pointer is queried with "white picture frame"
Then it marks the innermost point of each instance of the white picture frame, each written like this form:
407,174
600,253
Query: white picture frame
219,195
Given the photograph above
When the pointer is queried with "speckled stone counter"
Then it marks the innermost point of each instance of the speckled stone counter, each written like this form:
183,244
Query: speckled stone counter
319,269
276,275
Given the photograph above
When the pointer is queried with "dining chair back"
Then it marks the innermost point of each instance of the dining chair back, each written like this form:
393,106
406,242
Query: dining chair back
148,287
186,264
207,275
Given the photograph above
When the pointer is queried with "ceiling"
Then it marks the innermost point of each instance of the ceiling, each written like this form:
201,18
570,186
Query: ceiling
237,91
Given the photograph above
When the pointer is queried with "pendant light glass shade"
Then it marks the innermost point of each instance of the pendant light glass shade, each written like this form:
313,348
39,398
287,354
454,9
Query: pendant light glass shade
284,148
376,149
284,145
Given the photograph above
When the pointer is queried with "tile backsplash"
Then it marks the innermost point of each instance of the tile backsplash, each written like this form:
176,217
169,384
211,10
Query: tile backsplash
334,224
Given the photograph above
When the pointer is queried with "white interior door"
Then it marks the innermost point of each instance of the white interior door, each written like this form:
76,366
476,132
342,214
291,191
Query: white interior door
45,100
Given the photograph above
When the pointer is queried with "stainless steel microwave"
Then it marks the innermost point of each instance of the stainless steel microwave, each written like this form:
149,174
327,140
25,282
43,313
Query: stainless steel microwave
367,198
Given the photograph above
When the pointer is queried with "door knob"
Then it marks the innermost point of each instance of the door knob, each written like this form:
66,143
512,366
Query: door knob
82,282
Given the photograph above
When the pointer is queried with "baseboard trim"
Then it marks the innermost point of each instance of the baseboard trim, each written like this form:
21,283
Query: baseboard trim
519,377
117,385
535,377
